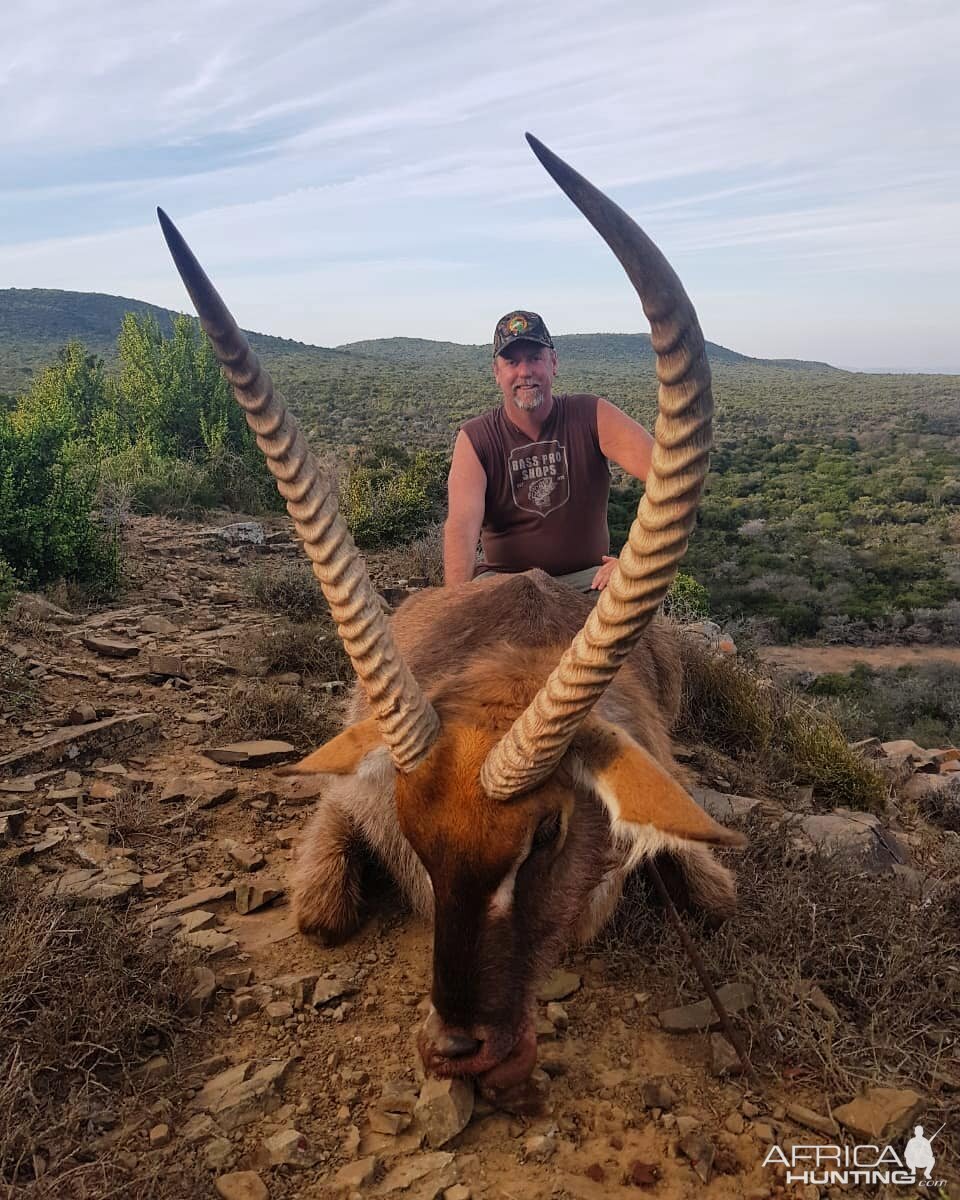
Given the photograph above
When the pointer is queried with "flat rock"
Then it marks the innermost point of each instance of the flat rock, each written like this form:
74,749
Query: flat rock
11,822
197,899
903,746
297,988
921,786
18,787
74,740
735,997
261,753
82,714
157,624
724,1060
202,792
700,1152
211,941
559,985
110,647
94,886
243,856
253,894
437,1167
286,1148
857,838
241,1185
881,1113
28,606
202,993
444,1109
812,1120
243,1094
170,666
331,987
241,533
724,806
278,1011
249,1000
356,1174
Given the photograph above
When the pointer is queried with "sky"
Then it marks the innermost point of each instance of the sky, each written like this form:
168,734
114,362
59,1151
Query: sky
349,171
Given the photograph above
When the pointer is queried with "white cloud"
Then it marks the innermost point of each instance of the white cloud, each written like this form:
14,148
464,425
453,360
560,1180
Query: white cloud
772,148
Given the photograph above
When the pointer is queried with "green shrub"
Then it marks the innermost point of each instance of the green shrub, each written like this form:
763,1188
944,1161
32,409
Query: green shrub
734,707
153,482
8,584
48,529
395,501
687,600
921,703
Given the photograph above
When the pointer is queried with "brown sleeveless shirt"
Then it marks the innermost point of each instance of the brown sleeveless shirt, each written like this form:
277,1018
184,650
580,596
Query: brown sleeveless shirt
546,500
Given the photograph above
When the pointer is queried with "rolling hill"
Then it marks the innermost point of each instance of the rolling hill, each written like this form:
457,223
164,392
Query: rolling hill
416,392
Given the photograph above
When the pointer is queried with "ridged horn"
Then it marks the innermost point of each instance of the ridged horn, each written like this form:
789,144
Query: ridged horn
407,721
657,541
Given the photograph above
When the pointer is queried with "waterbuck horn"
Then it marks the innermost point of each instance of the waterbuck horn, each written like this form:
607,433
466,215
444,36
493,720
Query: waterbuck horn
540,736
406,719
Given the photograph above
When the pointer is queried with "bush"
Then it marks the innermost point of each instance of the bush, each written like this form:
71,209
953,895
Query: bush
687,600
291,589
8,584
396,501
312,648
269,710
151,482
921,703
733,707
423,558
48,529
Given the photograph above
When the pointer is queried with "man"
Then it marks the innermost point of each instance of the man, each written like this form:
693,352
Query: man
530,478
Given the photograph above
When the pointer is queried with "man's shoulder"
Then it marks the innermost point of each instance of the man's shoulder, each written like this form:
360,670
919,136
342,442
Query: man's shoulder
485,418
579,402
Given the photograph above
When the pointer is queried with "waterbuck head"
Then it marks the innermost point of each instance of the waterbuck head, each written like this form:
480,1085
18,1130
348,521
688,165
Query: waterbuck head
518,798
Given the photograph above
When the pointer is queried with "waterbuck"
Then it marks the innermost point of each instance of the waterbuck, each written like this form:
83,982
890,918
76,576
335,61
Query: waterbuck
506,755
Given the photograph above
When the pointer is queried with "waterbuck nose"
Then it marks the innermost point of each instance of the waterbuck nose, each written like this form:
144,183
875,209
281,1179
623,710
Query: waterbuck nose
456,1045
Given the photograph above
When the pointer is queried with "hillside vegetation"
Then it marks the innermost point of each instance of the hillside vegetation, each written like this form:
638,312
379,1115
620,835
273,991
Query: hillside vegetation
832,508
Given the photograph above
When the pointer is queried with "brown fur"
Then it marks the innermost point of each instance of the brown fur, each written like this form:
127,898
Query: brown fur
480,651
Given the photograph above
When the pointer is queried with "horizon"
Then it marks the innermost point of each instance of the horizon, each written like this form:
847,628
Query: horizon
346,345
345,176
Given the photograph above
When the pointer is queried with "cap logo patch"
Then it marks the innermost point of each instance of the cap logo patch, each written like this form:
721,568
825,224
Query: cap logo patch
518,325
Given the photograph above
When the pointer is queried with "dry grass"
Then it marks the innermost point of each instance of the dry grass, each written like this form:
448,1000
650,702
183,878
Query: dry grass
732,706
942,808
420,559
292,714
18,692
84,999
311,649
289,589
889,963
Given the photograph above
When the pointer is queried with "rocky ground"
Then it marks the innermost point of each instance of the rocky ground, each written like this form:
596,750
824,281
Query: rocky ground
300,1079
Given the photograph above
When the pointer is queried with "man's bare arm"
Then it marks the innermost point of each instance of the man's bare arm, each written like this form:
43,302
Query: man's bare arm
466,494
623,440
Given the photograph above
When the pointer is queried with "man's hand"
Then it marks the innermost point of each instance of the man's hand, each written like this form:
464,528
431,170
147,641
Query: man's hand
602,577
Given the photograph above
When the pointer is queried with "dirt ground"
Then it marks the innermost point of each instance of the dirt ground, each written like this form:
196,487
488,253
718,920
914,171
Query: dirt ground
825,660
596,1126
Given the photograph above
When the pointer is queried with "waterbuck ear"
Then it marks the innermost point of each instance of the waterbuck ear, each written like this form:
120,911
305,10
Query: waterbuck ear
635,788
341,755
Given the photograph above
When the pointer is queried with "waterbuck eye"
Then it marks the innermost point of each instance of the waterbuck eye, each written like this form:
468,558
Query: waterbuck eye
547,831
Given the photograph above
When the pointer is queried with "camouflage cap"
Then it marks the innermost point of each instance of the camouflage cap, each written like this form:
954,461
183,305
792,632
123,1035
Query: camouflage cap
519,326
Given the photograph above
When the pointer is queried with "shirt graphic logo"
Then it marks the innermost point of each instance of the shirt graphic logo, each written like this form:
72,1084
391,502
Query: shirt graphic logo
539,479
